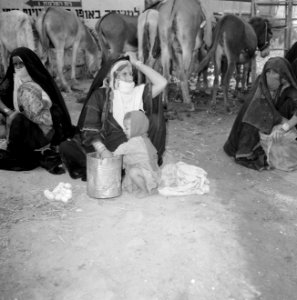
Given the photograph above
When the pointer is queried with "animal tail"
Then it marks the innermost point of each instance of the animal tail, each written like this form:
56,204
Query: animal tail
215,41
102,40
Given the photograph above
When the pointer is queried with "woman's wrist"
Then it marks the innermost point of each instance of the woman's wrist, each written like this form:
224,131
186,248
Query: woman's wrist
138,63
286,127
7,111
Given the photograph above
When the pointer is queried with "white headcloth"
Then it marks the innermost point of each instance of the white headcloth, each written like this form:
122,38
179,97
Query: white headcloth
114,68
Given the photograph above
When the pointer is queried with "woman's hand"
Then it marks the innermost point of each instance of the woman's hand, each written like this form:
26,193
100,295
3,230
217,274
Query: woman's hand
106,154
158,81
101,150
277,132
132,57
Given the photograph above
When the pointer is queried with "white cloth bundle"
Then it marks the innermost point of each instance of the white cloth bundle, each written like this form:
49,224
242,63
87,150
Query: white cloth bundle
180,179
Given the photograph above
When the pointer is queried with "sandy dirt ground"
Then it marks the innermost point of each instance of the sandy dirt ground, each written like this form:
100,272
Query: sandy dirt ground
238,242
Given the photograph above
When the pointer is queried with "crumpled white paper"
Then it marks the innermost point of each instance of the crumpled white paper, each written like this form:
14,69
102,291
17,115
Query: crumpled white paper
179,179
62,192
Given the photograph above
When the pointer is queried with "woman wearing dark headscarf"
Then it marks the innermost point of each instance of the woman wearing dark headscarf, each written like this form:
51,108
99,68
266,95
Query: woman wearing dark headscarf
271,106
112,94
36,115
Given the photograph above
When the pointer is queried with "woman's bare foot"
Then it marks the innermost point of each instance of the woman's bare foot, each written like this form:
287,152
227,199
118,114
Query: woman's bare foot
143,194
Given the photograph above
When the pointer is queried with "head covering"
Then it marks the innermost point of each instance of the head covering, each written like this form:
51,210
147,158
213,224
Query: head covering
282,67
16,59
139,122
261,112
119,64
39,74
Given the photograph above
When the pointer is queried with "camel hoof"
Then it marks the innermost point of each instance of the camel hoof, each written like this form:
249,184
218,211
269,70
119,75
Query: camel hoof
65,89
74,86
191,107
212,108
81,100
73,82
213,105
211,111
74,89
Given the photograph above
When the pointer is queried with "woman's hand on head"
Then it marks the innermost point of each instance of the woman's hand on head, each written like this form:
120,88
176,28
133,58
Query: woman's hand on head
158,81
132,57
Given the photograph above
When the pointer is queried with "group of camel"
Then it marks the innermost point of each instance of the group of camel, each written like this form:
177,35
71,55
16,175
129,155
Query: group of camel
171,31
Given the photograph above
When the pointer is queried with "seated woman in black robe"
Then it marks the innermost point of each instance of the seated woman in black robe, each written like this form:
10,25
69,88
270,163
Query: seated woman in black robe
36,117
272,101
112,94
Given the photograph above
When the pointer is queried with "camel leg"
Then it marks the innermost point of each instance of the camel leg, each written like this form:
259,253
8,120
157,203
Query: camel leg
5,57
253,68
226,81
184,62
201,54
73,63
247,75
49,62
165,59
217,71
244,77
238,78
140,32
151,60
60,65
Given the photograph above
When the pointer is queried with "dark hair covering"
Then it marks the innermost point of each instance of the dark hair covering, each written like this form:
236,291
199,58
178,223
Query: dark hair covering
39,74
102,73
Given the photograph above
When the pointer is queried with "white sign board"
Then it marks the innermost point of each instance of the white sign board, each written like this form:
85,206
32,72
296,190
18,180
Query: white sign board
94,9
89,10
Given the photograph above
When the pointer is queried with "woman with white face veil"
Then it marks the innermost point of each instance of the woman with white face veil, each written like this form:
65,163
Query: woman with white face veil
112,94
